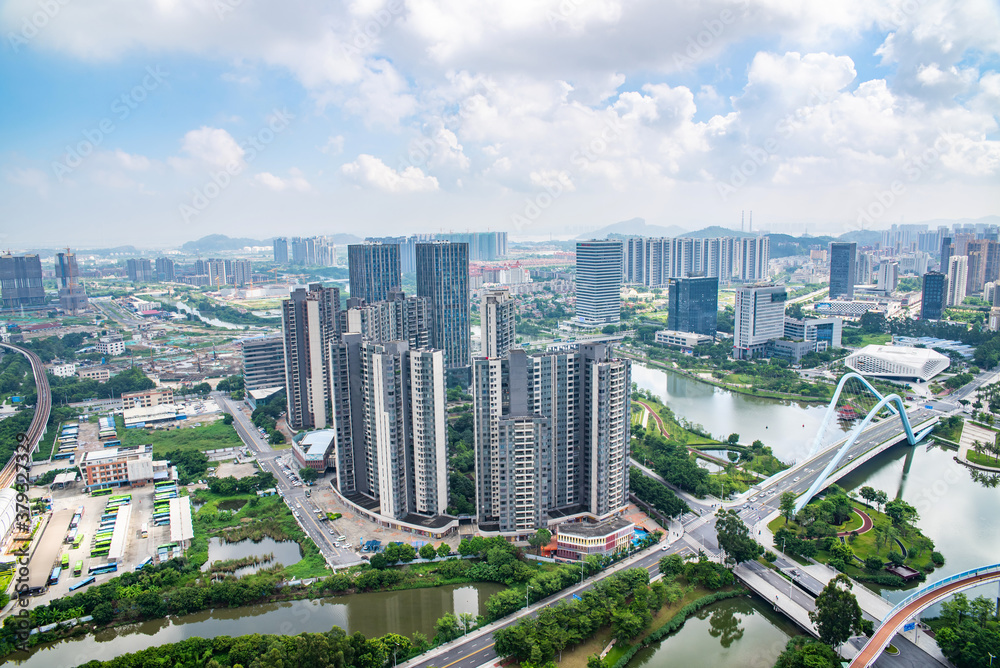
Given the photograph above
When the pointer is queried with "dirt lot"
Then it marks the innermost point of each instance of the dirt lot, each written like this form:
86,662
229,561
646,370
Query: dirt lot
236,470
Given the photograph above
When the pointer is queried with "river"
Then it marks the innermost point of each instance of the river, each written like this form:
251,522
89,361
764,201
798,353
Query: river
372,614
957,513
787,427
215,322
744,632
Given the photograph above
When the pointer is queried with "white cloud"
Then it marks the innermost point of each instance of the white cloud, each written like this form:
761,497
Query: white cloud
369,171
132,162
296,181
210,146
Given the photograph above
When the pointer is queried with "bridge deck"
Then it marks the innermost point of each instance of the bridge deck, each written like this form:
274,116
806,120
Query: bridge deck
888,629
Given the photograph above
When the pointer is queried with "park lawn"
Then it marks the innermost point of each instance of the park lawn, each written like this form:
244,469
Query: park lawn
982,460
203,437
874,339
577,657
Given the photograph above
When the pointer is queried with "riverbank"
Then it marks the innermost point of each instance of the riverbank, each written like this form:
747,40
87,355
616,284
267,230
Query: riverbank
736,388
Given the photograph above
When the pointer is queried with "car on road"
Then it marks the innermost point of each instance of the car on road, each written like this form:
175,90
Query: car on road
795,479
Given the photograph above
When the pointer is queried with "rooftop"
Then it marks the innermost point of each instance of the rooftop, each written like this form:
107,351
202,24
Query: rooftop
598,530
901,354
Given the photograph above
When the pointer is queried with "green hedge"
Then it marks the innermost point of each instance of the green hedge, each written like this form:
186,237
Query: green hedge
676,622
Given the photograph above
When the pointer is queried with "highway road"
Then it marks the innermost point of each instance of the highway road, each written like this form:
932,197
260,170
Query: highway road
320,531
43,406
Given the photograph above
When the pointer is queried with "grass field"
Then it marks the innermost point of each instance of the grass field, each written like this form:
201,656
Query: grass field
205,437
982,460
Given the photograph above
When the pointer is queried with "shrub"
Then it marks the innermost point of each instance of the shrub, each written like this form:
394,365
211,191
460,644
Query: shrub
937,558
770,557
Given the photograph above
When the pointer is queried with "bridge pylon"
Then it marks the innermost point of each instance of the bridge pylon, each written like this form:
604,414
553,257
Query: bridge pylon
892,401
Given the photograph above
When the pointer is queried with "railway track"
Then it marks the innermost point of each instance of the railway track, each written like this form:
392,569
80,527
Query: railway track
43,407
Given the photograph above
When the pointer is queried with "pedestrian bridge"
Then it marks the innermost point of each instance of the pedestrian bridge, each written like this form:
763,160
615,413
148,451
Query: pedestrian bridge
915,603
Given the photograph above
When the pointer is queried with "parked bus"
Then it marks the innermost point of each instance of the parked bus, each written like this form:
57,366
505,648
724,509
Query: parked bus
78,541
147,562
56,572
104,568
65,562
71,536
82,583
104,491
145,530
78,568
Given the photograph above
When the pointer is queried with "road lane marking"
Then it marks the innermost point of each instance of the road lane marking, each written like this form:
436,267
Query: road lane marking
468,655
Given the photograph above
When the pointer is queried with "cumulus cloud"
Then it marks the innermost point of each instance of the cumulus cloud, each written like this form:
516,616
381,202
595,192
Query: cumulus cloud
209,146
294,182
369,171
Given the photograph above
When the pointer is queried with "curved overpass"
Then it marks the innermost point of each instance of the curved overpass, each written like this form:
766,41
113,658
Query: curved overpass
914,603
42,408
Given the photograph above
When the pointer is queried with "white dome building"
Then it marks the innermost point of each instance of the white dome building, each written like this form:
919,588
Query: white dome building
900,362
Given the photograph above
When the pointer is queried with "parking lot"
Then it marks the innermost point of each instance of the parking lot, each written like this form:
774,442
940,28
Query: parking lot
137,549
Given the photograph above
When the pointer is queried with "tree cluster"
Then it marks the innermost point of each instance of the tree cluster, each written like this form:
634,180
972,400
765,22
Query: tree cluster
970,631
655,494
626,601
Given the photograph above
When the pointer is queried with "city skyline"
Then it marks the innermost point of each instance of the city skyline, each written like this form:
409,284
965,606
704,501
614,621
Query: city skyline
322,119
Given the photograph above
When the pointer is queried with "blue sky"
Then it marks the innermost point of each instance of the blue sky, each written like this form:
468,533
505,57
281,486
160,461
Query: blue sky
537,117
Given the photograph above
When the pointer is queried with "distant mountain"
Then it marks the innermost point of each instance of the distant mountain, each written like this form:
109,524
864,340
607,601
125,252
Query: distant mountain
636,227
715,231
785,245
220,242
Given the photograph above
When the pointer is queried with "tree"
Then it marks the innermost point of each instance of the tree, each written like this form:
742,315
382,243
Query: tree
734,537
227,419
733,439
804,652
443,550
837,615
869,494
901,513
787,505
308,475
427,551
540,539
446,628
881,498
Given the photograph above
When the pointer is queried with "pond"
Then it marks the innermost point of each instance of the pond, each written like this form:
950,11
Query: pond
231,504
285,552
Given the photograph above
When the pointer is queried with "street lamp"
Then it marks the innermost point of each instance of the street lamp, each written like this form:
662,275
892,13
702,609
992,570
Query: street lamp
527,588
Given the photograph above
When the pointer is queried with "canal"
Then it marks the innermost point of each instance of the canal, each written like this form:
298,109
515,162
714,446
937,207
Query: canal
373,614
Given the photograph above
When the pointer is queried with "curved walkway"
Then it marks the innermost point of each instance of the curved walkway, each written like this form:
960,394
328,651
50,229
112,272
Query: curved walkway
912,605
866,524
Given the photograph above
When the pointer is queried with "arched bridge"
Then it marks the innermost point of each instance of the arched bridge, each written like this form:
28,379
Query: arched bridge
894,404
918,601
